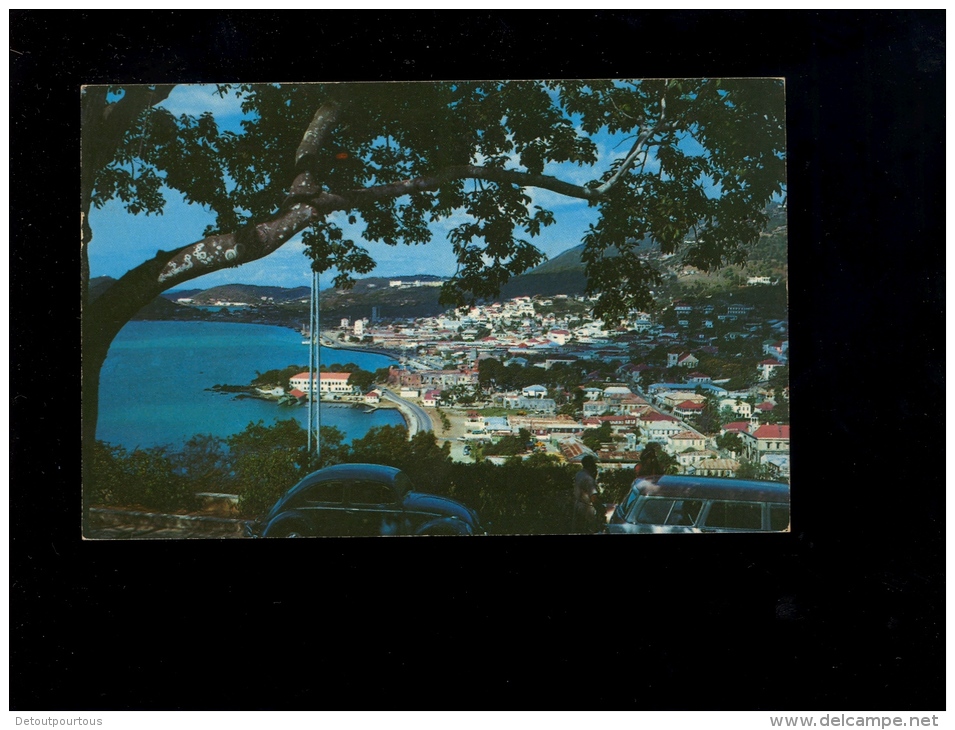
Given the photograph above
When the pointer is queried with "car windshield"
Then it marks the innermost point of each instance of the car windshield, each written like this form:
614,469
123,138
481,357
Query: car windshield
403,484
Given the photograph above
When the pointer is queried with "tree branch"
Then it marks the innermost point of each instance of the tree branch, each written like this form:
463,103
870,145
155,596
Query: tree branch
324,120
329,202
302,208
140,285
637,147
232,249
104,124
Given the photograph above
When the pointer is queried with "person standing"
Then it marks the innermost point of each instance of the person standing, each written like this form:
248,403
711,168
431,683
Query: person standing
585,495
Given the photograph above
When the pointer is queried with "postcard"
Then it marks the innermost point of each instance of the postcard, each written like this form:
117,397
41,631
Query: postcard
457,308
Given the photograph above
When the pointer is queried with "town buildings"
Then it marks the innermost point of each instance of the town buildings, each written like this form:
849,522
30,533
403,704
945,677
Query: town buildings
714,366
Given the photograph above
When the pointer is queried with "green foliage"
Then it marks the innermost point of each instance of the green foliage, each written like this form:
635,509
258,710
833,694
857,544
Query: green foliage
266,461
279,377
749,470
779,380
593,437
727,133
144,478
204,463
655,461
518,498
507,446
708,421
779,414
494,374
461,394
262,462
421,458
614,484
381,375
730,442
362,379
445,421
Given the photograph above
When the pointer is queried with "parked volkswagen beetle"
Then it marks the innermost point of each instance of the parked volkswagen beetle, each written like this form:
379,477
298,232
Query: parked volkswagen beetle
351,500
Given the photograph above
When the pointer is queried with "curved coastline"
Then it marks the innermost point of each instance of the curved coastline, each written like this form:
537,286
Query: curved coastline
179,361
332,345
415,418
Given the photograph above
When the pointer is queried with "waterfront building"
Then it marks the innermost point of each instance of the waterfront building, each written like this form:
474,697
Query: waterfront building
333,383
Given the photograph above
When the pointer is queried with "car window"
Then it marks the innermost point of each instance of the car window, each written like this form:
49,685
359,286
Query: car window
654,511
735,515
325,493
403,484
684,512
660,511
628,503
779,517
371,493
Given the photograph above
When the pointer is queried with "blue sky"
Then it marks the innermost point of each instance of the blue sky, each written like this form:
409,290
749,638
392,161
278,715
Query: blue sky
122,241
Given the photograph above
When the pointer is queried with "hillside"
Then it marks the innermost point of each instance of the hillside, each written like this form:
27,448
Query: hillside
418,297
409,300
158,308
246,294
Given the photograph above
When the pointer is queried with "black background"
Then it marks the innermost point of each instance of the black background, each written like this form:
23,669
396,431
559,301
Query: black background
845,612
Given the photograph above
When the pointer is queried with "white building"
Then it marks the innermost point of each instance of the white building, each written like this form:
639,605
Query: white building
560,336
766,368
335,383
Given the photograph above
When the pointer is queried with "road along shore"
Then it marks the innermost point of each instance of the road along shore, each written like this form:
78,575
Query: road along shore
410,415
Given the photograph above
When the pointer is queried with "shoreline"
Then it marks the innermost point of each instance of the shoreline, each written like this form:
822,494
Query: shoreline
412,423
198,315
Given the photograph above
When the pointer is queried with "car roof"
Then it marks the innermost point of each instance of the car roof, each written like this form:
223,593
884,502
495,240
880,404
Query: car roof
357,471
711,488
372,472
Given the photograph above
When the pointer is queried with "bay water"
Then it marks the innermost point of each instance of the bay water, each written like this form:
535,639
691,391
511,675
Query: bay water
154,383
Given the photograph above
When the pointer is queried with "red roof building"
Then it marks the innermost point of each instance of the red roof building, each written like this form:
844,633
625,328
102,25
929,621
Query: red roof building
772,431
736,427
656,416
765,441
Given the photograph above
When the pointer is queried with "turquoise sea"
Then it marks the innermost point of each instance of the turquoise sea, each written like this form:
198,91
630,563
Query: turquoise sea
153,386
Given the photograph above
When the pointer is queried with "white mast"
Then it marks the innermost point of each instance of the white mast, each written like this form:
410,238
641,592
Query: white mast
316,356
311,364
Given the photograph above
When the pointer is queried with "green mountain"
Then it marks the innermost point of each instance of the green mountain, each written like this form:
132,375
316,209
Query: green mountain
563,274
245,294
158,308
417,296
